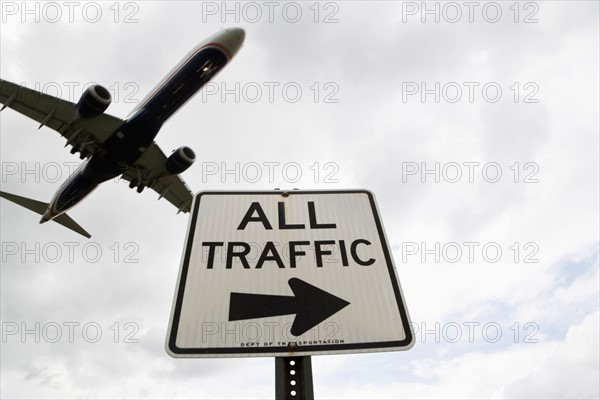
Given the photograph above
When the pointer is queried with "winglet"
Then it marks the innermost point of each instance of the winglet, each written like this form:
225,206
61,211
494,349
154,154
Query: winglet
39,207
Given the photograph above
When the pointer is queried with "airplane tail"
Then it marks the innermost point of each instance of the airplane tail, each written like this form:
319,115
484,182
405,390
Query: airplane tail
40,208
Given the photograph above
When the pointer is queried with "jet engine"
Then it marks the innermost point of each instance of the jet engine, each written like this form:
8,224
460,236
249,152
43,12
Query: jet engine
180,160
93,102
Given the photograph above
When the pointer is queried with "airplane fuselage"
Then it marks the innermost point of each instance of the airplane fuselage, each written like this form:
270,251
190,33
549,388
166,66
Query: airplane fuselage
127,143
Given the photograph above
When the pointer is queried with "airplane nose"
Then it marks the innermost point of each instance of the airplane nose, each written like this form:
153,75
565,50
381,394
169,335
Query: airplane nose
231,39
239,33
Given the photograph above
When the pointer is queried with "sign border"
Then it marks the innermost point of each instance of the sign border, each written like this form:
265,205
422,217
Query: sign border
177,352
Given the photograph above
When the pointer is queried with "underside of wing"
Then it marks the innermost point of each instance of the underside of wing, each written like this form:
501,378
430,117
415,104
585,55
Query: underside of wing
150,171
84,134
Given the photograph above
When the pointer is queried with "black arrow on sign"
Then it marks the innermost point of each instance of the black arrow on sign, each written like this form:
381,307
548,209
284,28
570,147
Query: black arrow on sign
310,304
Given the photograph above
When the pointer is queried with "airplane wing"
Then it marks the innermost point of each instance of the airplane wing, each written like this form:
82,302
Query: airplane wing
149,170
85,134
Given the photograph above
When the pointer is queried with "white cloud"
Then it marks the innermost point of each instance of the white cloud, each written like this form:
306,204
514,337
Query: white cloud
368,136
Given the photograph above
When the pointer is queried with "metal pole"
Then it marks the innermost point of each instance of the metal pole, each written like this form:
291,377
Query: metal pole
293,378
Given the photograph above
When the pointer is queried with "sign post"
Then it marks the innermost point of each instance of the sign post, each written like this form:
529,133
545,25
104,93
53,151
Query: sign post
293,378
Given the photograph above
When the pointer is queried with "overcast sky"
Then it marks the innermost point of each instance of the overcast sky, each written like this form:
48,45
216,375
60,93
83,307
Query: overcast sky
475,125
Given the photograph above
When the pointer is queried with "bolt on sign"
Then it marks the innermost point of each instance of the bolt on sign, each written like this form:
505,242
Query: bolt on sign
276,273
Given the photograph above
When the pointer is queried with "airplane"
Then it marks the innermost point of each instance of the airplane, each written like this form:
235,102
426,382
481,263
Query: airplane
112,146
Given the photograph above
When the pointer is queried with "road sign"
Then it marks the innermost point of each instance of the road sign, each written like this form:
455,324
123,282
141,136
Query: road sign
285,274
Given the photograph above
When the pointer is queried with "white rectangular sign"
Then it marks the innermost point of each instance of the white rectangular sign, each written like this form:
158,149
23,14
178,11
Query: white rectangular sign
284,274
